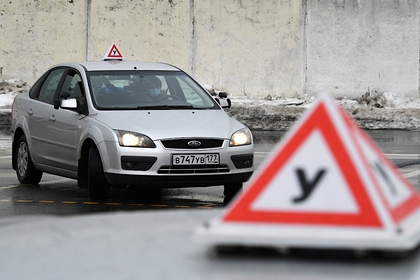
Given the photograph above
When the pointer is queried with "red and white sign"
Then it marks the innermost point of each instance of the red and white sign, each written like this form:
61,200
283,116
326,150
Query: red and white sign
113,53
398,196
327,184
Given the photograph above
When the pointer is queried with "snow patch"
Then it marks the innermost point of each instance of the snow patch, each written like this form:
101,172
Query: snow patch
9,89
371,110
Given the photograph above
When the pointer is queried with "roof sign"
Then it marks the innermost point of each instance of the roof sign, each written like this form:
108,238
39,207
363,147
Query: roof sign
327,185
113,53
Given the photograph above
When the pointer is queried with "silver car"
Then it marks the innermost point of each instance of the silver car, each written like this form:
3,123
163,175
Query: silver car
118,122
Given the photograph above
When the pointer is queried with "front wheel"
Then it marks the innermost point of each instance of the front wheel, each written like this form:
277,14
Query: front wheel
97,184
230,191
25,169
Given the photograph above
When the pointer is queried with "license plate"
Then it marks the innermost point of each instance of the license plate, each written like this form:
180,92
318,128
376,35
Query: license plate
195,159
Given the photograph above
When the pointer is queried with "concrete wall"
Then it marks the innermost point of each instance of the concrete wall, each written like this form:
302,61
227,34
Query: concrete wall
356,46
254,47
245,47
143,30
36,34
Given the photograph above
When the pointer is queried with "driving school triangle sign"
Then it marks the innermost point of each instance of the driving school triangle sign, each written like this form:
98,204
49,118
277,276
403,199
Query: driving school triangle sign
113,53
326,185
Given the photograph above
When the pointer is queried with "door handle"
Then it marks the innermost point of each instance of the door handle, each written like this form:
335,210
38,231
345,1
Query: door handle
30,112
52,118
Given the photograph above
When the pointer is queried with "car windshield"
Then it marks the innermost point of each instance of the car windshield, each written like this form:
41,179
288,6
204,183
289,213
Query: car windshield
158,90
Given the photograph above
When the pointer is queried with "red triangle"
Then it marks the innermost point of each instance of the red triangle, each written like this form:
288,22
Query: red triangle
404,209
114,52
319,119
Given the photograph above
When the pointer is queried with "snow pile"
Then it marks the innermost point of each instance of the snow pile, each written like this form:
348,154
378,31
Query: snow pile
386,100
371,110
9,89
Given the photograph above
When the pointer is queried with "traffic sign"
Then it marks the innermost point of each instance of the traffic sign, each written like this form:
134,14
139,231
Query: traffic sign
326,185
113,53
399,197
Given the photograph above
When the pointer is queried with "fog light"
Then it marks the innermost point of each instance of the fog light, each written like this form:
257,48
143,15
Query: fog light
138,163
247,163
242,161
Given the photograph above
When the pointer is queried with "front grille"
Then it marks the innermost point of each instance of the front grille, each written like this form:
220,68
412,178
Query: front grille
183,143
188,169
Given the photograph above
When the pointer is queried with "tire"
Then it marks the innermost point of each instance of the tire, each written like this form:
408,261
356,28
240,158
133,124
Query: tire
97,185
25,169
230,191
82,172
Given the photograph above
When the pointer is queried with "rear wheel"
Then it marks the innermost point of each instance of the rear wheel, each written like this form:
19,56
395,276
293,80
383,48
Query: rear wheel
25,169
230,191
97,184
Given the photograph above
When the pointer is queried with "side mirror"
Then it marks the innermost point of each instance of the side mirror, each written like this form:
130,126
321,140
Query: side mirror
70,103
222,94
223,101
58,102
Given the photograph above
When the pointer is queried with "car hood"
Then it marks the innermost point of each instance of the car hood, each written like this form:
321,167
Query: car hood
161,124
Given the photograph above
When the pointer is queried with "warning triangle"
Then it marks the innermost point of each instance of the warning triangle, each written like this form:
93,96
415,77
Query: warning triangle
326,184
113,53
399,197
316,147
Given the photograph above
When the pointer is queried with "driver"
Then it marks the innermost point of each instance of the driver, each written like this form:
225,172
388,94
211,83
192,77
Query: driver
147,89
154,91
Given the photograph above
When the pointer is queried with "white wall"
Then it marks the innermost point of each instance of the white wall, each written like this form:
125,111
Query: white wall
250,47
34,35
245,47
356,46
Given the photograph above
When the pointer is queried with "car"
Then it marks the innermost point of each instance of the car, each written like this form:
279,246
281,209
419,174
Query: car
117,122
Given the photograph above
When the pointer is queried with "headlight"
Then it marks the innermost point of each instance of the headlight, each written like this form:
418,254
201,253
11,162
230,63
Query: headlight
240,138
133,139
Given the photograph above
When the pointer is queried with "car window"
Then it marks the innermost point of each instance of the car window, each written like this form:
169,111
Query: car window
73,85
49,87
34,89
191,93
73,88
147,89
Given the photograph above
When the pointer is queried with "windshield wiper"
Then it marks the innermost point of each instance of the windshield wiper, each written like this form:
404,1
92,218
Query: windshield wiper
165,107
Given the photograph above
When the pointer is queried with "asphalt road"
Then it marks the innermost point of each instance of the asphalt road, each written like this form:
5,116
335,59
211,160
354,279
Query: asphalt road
61,196
149,235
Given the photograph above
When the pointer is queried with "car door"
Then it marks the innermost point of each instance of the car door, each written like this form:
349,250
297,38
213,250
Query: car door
38,116
62,132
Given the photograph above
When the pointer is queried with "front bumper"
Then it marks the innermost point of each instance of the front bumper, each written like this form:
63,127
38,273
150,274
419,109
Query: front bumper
178,181
141,166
